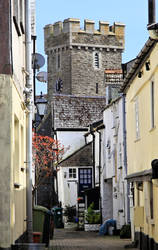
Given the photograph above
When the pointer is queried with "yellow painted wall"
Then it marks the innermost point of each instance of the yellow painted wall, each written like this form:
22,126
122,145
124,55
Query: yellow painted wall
19,158
12,157
140,152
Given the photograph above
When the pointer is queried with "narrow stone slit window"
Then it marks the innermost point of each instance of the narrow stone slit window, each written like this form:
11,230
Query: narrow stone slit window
58,61
97,89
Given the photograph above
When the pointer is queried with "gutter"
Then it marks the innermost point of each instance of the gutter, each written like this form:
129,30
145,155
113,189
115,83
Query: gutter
139,61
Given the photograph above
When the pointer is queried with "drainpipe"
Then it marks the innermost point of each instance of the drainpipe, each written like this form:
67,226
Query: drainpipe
100,198
92,133
125,154
29,125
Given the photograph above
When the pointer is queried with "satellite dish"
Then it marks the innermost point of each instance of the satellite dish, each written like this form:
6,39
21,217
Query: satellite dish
37,61
42,76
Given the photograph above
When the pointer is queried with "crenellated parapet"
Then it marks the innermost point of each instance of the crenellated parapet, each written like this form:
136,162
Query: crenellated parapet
73,25
72,32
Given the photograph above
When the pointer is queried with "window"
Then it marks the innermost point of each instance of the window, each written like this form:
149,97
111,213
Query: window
72,172
108,146
21,17
152,106
85,176
16,16
58,60
96,60
97,88
137,118
16,151
120,154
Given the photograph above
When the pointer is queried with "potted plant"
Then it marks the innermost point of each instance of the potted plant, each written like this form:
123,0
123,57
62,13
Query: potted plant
92,219
125,232
70,216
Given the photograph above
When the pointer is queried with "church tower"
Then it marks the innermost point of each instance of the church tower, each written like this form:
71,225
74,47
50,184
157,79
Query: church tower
77,58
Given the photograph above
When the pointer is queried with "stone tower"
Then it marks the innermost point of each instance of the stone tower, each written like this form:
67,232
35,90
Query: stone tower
77,58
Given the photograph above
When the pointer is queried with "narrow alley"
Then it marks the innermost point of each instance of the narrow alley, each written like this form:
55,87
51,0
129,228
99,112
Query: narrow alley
65,239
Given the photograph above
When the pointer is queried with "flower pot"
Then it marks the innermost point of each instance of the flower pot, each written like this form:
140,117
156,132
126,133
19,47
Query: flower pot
91,227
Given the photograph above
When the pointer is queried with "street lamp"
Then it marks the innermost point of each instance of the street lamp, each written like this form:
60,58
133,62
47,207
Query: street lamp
41,104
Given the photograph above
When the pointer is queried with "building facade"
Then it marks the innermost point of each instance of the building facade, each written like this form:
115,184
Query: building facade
114,168
13,125
141,116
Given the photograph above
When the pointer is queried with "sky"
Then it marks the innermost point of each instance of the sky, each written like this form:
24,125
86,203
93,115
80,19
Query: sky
133,13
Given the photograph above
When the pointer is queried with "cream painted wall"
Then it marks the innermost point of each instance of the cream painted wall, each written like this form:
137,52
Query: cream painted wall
140,152
19,116
13,201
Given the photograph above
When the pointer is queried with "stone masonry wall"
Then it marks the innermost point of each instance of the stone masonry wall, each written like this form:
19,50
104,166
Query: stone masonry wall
85,76
76,112
76,49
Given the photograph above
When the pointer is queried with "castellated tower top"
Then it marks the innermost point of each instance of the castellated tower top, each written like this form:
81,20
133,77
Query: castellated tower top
77,58
72,33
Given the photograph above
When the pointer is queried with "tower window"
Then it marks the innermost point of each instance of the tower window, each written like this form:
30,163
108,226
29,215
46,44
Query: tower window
58,61
96,60
97,90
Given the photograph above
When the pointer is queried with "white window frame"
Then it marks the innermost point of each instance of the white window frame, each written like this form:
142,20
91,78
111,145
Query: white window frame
137,126
73,175
152,97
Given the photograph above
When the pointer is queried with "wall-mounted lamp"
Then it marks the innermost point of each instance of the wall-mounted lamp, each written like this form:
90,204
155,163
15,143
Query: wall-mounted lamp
147,66
140,74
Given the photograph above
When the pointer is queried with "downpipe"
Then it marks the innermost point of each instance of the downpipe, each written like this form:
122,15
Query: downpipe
29,120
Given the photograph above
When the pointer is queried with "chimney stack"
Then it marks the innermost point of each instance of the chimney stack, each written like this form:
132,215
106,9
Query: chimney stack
151,12
152,25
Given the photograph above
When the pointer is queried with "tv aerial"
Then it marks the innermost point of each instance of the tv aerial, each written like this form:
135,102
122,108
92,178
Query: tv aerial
42,76
37,61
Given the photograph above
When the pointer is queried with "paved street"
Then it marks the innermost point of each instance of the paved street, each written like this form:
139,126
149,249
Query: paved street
68,239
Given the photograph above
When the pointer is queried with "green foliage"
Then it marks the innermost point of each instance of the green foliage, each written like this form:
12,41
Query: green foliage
125,232
70,212
92,217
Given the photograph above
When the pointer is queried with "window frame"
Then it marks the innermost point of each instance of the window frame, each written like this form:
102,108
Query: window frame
152,98
72,175
96,60
137,123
